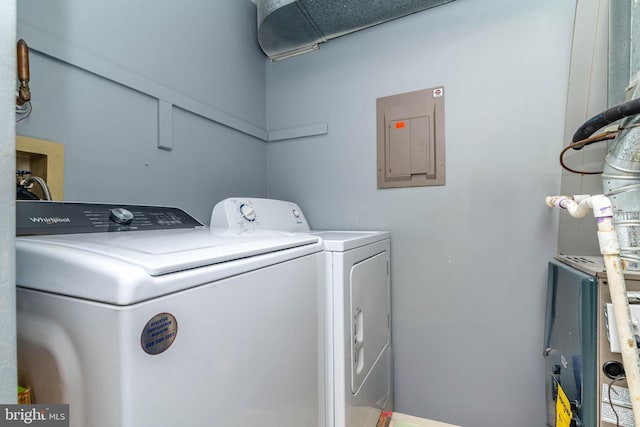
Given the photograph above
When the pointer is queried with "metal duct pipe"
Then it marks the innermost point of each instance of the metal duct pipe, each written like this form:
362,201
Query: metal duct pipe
292,27
621,181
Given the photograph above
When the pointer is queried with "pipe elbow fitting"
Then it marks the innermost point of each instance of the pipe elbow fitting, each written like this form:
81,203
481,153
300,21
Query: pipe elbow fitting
601,206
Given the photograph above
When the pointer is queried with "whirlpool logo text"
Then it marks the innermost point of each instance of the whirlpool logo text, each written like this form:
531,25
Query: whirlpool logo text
49,219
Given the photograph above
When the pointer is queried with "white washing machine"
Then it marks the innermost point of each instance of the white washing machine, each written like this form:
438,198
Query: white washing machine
140,316
358,310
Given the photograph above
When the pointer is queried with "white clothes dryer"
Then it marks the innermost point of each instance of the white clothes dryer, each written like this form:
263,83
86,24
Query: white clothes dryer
357,266
140,316
357,307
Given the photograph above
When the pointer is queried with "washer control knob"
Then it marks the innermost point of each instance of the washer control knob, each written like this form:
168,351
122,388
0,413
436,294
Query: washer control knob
121,216
248,212
296,213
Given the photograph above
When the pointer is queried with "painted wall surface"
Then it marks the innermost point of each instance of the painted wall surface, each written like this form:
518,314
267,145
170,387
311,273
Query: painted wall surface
206,53
8,373
207,50
469,258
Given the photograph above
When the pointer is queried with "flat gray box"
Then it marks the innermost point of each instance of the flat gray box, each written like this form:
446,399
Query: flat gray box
410,139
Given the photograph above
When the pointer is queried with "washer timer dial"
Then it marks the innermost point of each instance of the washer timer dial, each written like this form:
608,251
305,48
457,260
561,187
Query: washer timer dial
121,216
248,212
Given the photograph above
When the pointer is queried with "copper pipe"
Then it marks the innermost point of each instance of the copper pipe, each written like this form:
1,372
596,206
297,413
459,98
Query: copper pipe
24,93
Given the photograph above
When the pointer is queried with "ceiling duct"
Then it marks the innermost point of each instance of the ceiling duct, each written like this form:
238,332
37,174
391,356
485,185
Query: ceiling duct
291,27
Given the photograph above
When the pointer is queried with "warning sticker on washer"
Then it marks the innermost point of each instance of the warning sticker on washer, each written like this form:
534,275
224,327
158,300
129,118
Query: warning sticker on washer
159,333
563,409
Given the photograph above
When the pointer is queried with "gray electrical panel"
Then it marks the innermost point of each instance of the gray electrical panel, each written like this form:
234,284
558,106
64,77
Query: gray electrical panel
410,138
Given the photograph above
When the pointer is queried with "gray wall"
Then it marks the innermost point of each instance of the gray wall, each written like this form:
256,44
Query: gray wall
97,72
469,258
8,374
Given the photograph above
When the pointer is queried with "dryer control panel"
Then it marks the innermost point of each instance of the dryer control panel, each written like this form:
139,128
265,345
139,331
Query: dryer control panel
46,218
247,214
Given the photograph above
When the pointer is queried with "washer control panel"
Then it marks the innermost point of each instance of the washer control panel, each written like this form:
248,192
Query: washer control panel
45,217
248,214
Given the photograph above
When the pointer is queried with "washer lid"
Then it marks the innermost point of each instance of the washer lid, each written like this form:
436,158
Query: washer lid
162,252
127,268
340,241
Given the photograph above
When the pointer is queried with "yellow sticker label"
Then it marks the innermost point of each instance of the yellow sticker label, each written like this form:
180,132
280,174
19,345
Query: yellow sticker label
563,409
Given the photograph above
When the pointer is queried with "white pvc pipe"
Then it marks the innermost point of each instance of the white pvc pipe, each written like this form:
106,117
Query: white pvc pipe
610,249
577,206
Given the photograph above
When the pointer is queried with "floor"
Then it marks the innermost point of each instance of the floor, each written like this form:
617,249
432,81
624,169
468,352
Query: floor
402,420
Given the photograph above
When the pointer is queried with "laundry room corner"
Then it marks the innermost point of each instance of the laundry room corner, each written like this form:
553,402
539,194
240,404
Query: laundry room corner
469,257
346,228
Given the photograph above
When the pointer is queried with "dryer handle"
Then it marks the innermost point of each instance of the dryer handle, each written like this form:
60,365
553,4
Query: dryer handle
358,340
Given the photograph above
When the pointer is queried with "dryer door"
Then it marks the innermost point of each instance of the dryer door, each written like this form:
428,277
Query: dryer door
370,315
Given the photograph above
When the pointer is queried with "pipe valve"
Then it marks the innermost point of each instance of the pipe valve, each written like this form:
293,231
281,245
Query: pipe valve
24,92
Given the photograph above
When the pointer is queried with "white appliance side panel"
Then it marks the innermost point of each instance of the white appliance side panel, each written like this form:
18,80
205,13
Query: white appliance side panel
330,353
248,351
339,342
